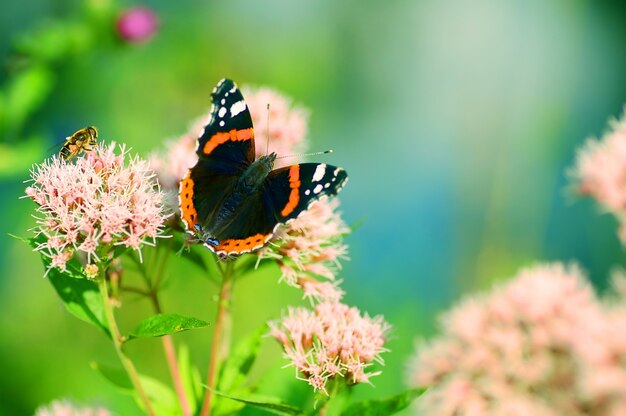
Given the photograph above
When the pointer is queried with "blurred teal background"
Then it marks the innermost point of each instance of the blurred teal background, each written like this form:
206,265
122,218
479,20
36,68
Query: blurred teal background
456,120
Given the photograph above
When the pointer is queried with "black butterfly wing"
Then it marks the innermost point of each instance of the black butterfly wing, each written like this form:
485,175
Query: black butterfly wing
252,227
293,188
225,149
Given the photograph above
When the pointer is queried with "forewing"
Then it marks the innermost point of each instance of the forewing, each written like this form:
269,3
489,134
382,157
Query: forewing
293,188
228,138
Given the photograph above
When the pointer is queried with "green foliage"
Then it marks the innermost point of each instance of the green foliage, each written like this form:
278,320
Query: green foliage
270,404
161,397
239,363
166,324
79,294
190,377
387,406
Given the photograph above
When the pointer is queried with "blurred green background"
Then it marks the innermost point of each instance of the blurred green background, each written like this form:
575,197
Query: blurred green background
456,120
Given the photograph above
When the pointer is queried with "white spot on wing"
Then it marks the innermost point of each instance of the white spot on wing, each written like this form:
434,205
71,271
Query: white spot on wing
221,123
307,192
222,112
327,185
336,172
237,108
318,188
223,101
320,170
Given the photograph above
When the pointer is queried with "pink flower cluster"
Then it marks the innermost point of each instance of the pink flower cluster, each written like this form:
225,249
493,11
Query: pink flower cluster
65,408
104,199
542,344
287,122
331,341
311,246
600,171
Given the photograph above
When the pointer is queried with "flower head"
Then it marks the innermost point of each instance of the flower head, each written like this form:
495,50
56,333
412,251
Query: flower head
137,24
65,408
601,169
526,348
310,246
287,122
104,199
331,341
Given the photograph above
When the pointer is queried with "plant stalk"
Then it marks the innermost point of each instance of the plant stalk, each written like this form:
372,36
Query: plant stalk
117,342
221,341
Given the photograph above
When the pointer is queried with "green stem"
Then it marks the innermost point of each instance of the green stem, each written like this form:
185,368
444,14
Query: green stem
117,342
221,340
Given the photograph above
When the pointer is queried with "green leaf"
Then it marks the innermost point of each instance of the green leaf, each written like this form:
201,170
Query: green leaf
387,406
240,361
161,397
26,92
270,404
191,380
166,324
79,294
81,298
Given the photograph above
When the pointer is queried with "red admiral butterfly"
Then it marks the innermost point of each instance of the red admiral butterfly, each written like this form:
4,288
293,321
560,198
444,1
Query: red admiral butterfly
233,202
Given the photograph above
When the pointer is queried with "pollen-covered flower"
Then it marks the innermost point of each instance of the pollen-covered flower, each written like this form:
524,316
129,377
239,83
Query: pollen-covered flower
310,246
66,408
526,348
287,122
601,169
331,341
103,200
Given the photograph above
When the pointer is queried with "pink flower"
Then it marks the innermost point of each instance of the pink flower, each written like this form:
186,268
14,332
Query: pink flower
310,246
600,171
287,122
331,341
102,200
65,408
531,346
137,24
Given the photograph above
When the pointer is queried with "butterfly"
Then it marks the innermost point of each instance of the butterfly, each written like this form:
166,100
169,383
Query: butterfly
83,140
234,203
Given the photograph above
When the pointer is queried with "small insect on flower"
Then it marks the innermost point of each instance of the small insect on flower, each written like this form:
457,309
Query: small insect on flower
81,141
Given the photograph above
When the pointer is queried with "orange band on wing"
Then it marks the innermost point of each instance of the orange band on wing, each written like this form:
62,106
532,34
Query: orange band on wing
294,195
233,135
187,209
235,246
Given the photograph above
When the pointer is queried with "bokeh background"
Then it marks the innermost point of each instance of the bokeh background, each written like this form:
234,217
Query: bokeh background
456,120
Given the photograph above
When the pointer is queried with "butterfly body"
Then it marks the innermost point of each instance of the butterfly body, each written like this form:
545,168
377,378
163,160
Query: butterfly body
231,201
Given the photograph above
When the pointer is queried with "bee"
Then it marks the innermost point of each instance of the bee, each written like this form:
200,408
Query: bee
83,140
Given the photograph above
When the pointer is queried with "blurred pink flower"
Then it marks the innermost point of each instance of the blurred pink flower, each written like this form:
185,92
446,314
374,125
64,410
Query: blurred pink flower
66,408
287,122
330,341
310,246
541,344
137,24
104,199
601,169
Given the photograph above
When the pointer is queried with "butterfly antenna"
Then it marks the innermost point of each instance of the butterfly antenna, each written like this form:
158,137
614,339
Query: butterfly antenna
307,154
267,148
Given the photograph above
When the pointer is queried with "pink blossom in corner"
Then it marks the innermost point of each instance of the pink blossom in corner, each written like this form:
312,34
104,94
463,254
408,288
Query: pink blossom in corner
104,199
538,345
137,24
310,246
331,341
600,169
66,408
